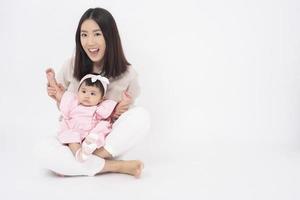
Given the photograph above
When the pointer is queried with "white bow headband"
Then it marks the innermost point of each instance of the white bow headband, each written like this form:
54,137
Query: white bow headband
94,78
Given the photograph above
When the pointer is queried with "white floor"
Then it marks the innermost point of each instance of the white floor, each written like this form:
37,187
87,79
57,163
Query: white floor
210,171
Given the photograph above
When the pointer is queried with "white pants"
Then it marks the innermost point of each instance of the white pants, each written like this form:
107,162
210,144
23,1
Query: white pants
126,132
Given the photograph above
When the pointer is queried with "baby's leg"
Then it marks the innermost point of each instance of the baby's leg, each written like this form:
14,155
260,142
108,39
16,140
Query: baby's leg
74,147
89,145
96,138
92,142
80,153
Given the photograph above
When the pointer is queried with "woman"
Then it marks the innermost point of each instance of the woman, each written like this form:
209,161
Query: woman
99,50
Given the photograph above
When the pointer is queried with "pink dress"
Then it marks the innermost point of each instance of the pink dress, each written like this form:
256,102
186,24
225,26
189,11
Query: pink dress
79,121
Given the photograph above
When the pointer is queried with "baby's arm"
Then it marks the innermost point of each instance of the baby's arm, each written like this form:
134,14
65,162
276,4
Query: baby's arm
105,109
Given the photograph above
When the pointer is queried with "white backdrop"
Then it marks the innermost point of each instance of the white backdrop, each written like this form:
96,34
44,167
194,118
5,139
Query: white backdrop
211,71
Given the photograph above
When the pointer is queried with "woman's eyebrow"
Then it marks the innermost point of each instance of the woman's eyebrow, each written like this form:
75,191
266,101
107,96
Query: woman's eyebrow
96,30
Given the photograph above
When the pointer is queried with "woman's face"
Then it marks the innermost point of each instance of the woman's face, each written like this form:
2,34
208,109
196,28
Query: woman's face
92,41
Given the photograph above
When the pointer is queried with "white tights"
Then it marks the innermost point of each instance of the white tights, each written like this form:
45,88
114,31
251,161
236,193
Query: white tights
126,132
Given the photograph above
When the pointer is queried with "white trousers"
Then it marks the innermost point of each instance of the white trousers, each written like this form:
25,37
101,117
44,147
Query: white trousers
127,131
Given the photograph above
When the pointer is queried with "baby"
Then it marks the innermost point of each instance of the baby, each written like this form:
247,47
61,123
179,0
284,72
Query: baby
86,115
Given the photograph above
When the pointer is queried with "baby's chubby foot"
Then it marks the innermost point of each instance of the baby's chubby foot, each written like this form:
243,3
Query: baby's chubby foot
81,156
89,144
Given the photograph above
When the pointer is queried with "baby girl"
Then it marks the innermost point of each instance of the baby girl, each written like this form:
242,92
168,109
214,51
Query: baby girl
86,115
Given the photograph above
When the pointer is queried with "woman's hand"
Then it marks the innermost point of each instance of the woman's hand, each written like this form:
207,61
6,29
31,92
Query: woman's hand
55,92
123,105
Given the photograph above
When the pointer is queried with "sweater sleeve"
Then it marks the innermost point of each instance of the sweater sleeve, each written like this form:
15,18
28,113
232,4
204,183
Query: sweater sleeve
134,89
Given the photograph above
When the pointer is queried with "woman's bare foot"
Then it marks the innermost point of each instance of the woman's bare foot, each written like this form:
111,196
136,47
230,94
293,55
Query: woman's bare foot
133,167
130,167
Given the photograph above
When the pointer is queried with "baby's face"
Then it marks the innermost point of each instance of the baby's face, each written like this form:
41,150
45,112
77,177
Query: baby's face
89,95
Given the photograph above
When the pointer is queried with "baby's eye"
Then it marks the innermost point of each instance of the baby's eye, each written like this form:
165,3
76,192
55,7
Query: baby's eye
83,91
93,94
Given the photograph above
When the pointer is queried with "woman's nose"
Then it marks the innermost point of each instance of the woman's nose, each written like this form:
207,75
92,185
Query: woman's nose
90,40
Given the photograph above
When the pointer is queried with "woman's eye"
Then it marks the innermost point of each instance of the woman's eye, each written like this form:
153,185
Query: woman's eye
98,34
83,34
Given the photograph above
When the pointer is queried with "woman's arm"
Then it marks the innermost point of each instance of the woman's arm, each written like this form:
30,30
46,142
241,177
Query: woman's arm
128,97
62,80
56,93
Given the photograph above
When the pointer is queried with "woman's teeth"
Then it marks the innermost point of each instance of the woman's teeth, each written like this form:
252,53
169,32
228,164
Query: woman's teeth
93,50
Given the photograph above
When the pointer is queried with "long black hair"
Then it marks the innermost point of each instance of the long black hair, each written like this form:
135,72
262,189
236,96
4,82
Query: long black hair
114,63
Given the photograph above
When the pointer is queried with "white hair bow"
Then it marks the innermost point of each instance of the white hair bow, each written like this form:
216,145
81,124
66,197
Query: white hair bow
94,78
